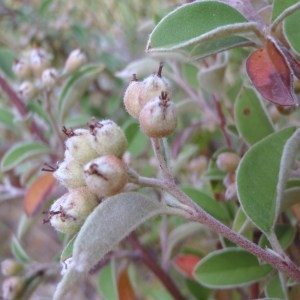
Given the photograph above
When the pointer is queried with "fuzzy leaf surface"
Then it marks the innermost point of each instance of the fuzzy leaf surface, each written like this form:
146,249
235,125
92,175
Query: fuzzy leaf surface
251,117
230,268
281,9
75,87
20,152
292,35
200,23
262,175
106,226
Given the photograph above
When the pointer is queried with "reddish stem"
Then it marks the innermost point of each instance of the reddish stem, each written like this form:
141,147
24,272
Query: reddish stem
17,102
155,268
222,120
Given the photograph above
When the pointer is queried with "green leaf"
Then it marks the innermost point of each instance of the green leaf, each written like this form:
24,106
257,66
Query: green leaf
231,267
68,250
6,118
37,108
291,196
137,141
107,282
292,35
201,22
251,118
274,288
215,73
281,9
240,221
262,174
106,226
178,235
20,152
210,205
197,290
6,61
285,235
18,251
75,87
206,48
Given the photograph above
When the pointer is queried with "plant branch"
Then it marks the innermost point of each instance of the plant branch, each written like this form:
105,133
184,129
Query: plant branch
53,121
222,120
271,257
155,268
17,102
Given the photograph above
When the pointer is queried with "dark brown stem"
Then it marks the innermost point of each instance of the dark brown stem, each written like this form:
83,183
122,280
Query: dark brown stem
17,102
155,268
222,120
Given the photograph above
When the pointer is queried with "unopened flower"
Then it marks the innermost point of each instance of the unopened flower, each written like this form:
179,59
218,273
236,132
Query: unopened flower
75,60
105,176
158,118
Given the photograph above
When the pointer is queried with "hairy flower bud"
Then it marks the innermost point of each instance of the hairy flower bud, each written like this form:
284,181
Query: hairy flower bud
39,61
131,98
108,138
22,69
12,287
158,118
75,60
68,213
105,176
153,86
11,267
70,174
228,161
27,91
49,78
79,145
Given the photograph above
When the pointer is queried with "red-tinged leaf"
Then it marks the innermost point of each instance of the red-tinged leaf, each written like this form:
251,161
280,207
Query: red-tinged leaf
37,193
272,75
186,263
125,289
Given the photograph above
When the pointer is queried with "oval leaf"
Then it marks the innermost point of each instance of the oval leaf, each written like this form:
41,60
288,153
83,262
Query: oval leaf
20,152
106,226
37,193
271,75
199,22
186,263
125,289
76,86
251,118
281,9
293,36
262,175
107,282
210,205
230,268
274,288
6,118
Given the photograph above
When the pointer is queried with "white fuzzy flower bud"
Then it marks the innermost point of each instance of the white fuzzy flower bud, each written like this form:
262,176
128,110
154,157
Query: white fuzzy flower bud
70,174
75,60
49,78
27,91
22,69
108,138
79,145
158,118
105,176
68,213
39,61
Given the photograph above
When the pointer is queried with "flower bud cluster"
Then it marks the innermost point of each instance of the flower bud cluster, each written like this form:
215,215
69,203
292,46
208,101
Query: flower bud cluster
13,283
36,73
92,169
149,101
228,162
